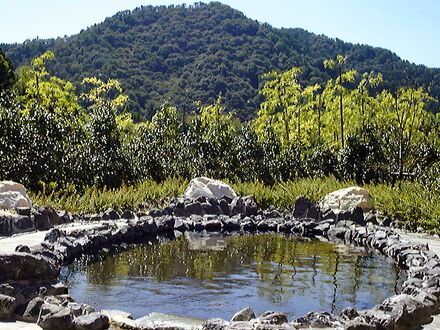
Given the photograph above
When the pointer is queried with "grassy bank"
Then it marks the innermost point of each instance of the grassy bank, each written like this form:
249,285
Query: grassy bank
145,195
407,202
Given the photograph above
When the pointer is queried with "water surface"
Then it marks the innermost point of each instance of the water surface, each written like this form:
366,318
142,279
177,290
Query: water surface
215,276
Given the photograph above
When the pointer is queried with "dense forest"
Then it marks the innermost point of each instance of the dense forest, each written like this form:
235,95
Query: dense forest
183,54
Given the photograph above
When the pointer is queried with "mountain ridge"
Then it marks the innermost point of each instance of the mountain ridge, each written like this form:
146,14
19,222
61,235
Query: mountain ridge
181,54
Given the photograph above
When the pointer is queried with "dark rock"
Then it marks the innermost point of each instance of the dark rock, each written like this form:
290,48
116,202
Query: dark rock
370,217
211,209
7,289
21,223
307,227
6,228
251,207
386,222
321,229
193,208
80,309
248,225
50,308
61,320
155,213
273,318
110,214
212,225
215,324
33,308
272,213
41,219
65,217
128,214
22,249
285,227
357,217
406,311
58,289
53,235
92,321
96,217
360,323
337,232
165,224
349,314
227,199
224,206
61,300
246,314
318,320
301,208
237,206
213,201
328,214
149,226
231,223
201,199
14,223
7,306
23,266
54,218
180,225
314,213
26,211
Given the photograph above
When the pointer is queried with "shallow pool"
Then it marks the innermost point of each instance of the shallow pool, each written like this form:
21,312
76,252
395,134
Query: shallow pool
215,276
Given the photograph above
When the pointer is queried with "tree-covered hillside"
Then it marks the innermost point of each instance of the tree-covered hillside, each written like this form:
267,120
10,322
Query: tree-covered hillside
183,54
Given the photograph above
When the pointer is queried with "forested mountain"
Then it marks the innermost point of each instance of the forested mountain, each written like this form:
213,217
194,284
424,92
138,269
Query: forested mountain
183,54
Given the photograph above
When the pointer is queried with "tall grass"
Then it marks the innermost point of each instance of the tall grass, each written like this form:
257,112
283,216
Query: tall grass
407,202
142,196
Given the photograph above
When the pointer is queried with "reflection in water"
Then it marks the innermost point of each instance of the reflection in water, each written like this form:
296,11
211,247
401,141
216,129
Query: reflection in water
267,272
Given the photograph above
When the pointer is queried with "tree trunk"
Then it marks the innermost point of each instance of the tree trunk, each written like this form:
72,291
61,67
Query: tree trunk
341,109
319,119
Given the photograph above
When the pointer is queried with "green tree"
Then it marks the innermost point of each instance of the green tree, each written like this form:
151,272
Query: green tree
336,89
337,64
280,108
7,76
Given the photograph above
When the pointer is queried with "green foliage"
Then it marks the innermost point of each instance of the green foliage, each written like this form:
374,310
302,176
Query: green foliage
192,53
90,156
7,76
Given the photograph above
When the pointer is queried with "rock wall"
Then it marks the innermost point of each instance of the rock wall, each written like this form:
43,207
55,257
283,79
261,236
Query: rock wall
29,290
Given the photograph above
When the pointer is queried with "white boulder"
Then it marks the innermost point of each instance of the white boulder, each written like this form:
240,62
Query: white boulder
209,188
347,199
13,195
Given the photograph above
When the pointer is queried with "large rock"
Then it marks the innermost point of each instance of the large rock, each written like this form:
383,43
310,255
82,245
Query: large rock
22,266
209,188
33,308
11,223
92,321
13,195
246,314
347,199
61,320
7,306
42,220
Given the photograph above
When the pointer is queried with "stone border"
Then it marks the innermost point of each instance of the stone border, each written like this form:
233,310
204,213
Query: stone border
30,291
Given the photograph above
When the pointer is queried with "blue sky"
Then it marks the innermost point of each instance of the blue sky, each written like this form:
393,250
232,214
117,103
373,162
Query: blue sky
410,28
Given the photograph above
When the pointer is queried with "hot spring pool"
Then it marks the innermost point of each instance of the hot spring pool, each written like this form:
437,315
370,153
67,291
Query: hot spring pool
215,276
